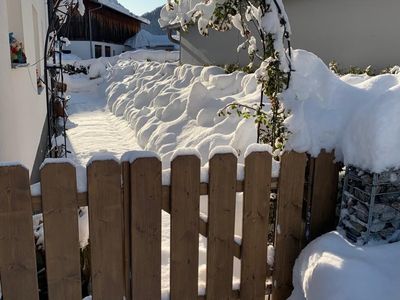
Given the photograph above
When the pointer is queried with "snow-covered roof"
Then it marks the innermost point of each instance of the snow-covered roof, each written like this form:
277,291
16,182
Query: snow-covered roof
144,39
115,5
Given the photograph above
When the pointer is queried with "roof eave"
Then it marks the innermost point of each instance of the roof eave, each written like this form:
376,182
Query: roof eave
133,16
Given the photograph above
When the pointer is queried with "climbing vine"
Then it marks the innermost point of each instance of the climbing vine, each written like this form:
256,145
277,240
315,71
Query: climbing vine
264,26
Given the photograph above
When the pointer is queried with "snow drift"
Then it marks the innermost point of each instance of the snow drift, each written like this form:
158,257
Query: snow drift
330,268
171,106
356,119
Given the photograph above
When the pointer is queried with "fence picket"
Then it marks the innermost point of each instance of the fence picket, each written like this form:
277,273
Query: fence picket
221,225
290,235
257,188
126,191
17,246
146,201
185,200
324,192
60,215
106,229
125,226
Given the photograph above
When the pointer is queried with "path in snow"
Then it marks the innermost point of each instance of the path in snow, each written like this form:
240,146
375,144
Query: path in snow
93,128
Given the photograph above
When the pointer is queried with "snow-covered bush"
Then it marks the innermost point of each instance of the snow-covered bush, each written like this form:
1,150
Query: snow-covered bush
265,44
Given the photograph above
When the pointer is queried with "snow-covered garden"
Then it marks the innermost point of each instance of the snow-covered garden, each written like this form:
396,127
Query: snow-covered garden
161,106
148,101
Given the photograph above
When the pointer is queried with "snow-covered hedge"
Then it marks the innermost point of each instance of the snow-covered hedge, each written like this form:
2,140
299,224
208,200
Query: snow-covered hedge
171,106
264,40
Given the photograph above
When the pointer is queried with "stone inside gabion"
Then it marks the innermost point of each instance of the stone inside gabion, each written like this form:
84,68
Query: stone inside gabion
370,210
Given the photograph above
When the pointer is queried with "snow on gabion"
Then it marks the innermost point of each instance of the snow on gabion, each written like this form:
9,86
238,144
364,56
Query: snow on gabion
371,206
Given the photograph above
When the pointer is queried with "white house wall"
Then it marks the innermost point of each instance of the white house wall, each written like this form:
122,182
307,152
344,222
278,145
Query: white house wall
82,48
352,32
22,109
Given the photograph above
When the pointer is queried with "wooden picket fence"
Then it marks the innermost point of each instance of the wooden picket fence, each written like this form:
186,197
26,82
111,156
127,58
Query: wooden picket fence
125,201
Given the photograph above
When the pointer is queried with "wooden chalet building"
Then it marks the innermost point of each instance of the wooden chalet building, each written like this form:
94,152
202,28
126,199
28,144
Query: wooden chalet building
102,30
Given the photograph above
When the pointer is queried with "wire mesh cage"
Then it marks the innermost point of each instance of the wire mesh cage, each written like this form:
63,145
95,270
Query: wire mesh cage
370,208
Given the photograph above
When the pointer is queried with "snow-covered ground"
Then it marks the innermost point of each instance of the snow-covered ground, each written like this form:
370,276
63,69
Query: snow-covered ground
94,129
137,104
331,268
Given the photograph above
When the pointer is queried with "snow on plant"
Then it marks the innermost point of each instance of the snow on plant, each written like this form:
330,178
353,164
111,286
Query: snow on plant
264,26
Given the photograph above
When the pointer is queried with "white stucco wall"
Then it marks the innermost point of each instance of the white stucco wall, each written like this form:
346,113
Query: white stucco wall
22,109
352,32
82,48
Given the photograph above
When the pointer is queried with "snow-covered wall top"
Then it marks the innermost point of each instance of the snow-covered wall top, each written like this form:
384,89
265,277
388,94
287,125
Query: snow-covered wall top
114,4
357,116
171,106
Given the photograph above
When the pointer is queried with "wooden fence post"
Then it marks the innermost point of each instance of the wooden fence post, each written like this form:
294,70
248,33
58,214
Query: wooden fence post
256,199
126,191
221,226
17,245
324,193
106,234
185,202
290,227
146,197
60,216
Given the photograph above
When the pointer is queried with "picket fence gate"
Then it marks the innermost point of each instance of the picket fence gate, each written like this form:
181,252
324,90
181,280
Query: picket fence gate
125,201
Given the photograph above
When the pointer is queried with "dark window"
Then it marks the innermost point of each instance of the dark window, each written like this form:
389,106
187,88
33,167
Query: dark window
98,51
107,51
113,52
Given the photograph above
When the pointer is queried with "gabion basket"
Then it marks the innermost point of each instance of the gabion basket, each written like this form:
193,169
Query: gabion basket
370,208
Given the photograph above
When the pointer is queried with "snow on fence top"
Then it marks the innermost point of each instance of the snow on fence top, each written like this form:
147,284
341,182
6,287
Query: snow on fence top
81,179
222,150
101,156
131,156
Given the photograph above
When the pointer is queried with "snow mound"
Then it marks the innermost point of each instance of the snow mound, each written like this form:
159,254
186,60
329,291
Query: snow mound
356,119
97,69
136,55
171,107
330,268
